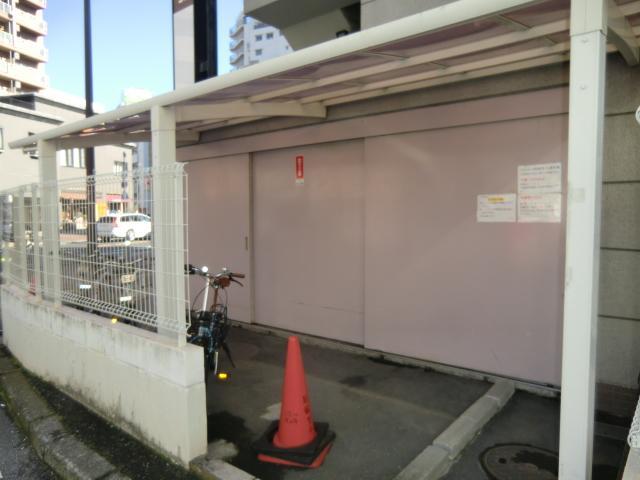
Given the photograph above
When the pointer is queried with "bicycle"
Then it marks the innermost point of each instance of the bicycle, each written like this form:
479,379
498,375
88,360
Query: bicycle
210,325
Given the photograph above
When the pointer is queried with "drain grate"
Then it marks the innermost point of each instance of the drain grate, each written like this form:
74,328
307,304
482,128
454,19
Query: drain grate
521,462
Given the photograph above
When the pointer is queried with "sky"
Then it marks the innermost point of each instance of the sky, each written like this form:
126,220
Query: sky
132,45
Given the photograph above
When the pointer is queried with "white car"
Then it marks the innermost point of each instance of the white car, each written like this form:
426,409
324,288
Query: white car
124,225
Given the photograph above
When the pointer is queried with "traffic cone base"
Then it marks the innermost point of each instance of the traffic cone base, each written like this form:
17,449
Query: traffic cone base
295,440
303,456
315,464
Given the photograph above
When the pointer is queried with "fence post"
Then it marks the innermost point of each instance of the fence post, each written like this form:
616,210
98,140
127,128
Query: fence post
19,239
3,253
50,220
168,226
35,234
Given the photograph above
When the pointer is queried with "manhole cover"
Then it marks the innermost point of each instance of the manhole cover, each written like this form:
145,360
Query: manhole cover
519,462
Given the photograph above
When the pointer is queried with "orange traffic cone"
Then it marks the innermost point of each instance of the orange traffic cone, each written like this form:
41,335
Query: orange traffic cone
295,440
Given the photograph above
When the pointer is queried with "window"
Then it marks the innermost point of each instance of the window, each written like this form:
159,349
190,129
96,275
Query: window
269,36
258,52
259,38
119,168
73,158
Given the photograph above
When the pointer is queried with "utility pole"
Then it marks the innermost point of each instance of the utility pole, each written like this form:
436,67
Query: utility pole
90,164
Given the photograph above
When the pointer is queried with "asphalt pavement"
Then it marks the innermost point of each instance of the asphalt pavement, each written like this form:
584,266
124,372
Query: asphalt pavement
18,460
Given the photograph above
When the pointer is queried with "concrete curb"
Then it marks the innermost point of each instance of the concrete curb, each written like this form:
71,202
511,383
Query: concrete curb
212,469
62,451
435,460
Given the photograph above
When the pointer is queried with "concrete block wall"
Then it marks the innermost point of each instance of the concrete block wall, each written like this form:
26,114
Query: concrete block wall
619,323
377,12
143,383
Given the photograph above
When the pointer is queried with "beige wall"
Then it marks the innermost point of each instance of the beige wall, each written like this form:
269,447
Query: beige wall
380,246
219,226
486,101
440,285
309,250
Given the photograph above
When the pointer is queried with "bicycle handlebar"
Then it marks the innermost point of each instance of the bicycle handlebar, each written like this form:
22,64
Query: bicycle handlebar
191,270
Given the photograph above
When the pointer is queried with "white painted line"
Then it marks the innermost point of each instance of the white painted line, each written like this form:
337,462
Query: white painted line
272,412
1,477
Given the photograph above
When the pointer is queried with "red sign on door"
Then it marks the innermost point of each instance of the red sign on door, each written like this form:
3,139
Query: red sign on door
300,170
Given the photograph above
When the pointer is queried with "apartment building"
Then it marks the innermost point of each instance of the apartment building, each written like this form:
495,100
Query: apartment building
22,51
252,41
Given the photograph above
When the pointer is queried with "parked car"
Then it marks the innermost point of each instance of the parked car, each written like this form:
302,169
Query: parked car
128,226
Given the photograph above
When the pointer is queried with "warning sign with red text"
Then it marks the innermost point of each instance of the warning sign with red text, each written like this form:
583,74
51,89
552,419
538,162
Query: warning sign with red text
300,170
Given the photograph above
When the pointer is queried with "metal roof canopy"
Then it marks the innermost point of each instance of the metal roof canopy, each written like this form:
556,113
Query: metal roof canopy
459,41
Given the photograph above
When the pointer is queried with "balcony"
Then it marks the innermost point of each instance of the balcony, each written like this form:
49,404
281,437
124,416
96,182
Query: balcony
238,27
21,73
6,40
31,49
36,3
235,44
5,11
235,59
32,22
28,75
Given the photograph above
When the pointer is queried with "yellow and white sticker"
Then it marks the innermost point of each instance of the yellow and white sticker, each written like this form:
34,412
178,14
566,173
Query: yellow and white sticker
496,208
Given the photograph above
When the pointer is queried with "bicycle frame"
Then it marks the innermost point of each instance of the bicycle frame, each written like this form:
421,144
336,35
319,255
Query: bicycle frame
212,321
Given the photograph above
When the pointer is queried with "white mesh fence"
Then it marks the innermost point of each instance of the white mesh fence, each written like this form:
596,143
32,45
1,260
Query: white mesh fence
634,432
102,244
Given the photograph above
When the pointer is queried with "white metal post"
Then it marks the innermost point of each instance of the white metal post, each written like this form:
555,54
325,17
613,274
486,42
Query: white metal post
49,201
168,221
20,238
35,234
586,118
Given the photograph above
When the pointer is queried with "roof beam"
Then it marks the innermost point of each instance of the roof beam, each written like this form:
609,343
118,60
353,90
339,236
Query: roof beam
458,77
223,111
433,57
387,85
513,24
630,8
621,34
97,140
524,64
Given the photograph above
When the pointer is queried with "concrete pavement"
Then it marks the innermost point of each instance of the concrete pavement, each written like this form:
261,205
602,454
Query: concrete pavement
18,459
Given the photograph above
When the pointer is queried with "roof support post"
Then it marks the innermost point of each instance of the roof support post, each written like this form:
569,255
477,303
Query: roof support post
168,225
49,204
582,261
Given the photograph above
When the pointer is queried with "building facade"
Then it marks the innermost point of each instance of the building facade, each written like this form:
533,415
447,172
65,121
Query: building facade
22,51
253,41
28,113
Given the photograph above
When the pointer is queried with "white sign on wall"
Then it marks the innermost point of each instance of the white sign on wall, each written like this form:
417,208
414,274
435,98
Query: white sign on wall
499,207
540,178
543,207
